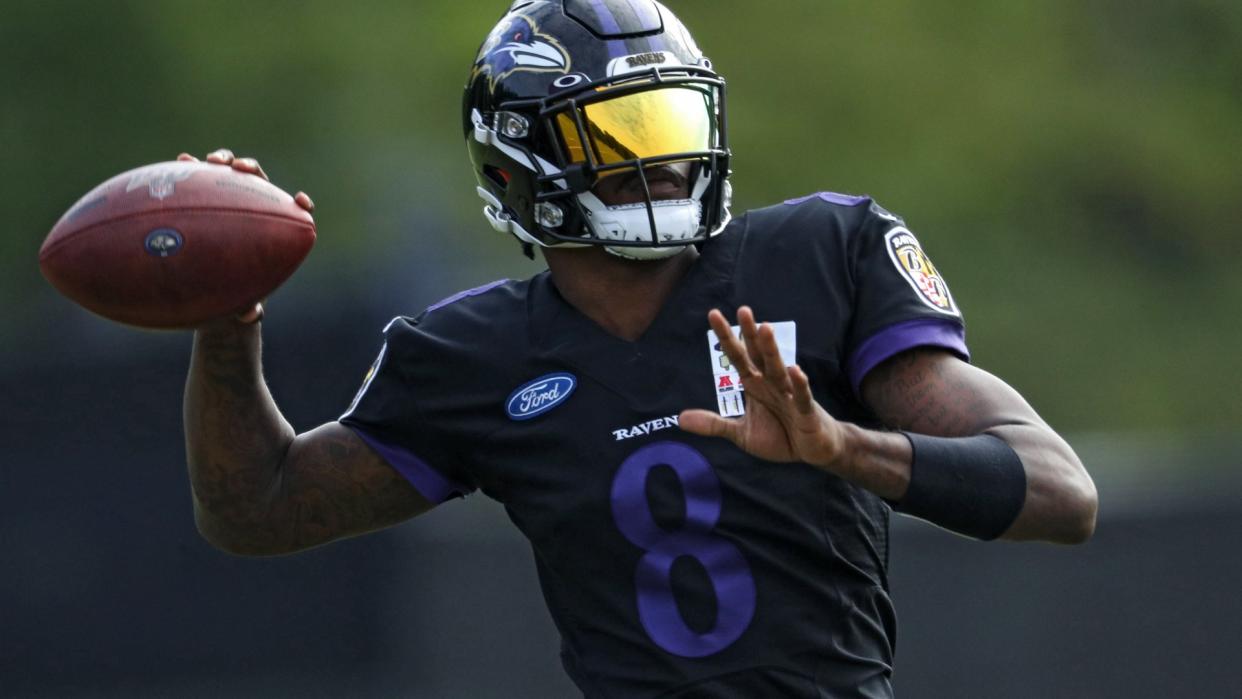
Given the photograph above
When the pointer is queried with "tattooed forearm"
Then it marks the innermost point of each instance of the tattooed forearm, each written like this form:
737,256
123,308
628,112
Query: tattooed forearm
258,487
235,436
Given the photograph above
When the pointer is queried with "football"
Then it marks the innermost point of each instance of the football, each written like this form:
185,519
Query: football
175,244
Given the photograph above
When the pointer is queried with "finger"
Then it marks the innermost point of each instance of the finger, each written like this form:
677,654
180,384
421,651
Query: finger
774,366
222,156
750,335
730,345
804,402
187,158
250,166
708,424
303,200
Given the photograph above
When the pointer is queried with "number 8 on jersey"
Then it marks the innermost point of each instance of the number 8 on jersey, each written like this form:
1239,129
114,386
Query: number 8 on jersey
727,569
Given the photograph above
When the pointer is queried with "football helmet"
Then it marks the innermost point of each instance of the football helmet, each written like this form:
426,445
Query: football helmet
565,93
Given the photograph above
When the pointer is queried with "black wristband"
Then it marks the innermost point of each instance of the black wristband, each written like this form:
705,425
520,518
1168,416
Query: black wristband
970,485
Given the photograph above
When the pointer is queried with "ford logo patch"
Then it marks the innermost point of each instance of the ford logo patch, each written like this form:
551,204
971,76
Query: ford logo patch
539,396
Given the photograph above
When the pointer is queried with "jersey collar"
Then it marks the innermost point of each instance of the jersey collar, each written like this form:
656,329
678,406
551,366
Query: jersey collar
561,332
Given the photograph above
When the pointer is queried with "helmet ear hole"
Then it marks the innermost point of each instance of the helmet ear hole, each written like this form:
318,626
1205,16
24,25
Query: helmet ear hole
498,177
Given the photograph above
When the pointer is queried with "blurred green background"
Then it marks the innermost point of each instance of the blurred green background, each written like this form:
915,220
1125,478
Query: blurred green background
1072,166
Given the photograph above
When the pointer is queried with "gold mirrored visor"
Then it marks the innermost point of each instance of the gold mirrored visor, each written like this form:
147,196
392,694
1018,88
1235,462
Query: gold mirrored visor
647,124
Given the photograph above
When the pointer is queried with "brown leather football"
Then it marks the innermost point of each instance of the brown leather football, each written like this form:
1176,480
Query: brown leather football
175,244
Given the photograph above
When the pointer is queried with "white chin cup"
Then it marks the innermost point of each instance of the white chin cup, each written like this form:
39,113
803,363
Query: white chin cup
675,219
660,253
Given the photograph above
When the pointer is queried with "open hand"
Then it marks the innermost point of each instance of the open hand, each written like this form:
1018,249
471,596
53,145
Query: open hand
782,421
224,156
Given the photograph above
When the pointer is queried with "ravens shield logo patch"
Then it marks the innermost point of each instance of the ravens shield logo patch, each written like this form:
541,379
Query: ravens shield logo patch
918,270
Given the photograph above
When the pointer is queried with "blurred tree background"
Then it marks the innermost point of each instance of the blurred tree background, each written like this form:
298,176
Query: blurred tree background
1073,167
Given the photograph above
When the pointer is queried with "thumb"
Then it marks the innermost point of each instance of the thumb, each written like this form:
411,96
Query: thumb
708,424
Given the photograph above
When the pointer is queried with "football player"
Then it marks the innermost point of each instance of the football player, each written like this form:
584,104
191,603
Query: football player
701,422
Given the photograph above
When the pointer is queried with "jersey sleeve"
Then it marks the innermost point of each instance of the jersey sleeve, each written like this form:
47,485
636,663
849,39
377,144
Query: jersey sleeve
901,299
395,413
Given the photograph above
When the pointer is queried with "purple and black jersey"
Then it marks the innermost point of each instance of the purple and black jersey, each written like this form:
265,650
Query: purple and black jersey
675,565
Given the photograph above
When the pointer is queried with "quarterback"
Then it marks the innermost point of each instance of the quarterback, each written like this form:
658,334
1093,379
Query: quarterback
701,421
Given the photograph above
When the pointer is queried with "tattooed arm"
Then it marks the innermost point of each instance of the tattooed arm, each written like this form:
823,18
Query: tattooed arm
261,489
923,391
930,391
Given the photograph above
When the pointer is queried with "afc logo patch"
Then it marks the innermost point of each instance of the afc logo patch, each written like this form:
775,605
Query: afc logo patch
917,269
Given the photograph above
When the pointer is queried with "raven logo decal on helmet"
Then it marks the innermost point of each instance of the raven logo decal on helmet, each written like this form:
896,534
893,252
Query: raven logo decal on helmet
517,44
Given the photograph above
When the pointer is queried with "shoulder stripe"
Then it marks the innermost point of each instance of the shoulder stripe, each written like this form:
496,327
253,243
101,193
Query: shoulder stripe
465,294
832,198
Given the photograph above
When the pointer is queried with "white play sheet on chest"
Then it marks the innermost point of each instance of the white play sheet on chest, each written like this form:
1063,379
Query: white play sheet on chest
727,381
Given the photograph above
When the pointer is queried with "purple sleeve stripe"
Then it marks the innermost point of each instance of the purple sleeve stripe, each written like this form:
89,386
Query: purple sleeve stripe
429,482
925,332
464,294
